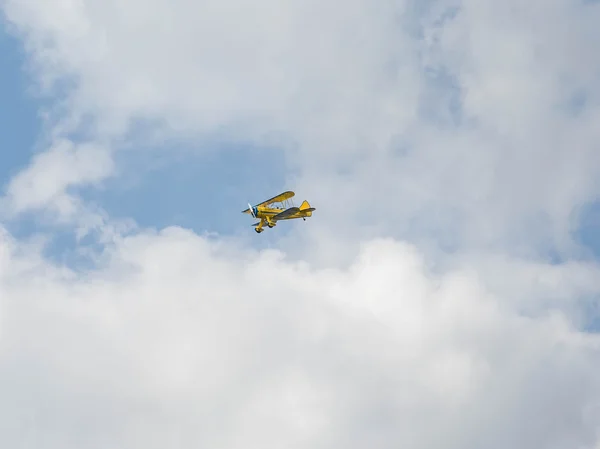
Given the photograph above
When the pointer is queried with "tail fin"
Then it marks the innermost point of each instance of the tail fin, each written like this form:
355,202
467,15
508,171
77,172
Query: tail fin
306,207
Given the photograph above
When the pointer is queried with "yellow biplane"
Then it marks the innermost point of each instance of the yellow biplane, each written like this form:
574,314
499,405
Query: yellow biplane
271,215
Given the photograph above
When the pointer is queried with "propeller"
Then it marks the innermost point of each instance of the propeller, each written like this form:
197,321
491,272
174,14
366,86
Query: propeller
251,210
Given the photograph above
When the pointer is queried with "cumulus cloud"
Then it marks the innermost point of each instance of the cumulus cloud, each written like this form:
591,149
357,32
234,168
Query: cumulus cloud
173,341
466,126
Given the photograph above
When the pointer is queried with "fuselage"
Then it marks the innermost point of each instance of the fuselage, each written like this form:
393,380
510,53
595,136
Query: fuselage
266,212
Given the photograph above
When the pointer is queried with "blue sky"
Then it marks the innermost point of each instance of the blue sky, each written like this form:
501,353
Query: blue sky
589,231
19,124
205,192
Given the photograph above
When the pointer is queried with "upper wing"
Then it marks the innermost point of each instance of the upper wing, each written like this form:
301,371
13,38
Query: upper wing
286,214
278,199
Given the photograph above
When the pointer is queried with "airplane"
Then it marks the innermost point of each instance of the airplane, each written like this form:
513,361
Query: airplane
271,215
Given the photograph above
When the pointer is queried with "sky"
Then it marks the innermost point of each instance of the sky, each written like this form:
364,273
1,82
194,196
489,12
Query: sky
19,120
444,294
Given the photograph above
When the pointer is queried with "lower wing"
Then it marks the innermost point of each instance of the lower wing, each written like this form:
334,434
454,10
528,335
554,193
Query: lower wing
293,212
286,214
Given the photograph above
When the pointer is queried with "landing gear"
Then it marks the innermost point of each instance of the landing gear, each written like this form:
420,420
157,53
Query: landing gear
258,230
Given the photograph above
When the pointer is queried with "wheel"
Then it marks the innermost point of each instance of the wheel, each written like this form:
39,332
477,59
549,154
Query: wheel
258,230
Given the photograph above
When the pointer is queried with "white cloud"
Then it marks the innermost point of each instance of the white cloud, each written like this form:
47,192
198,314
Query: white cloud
171,342
211,63
45,182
